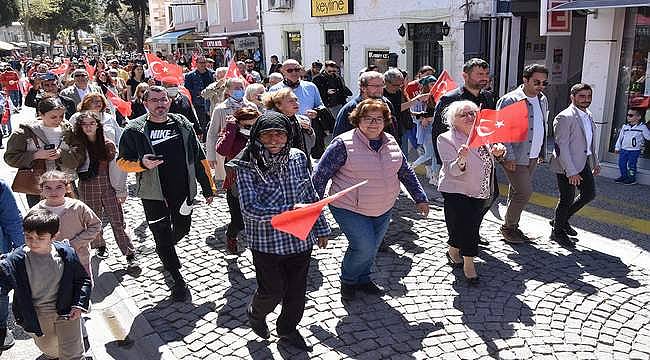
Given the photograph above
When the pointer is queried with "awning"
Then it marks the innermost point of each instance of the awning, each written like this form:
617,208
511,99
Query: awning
6,46
39,43
599,4
20,44
169,37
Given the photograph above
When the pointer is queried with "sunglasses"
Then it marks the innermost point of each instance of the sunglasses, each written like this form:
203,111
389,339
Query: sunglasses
631,115
292,70
538,83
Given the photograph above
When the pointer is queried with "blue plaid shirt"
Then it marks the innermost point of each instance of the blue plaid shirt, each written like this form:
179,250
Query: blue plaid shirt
261,199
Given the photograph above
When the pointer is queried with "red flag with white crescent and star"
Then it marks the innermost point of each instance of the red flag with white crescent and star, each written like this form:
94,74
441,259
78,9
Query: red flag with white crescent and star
89,69
123,106
164,71
62,68
508,125
443,85
233,71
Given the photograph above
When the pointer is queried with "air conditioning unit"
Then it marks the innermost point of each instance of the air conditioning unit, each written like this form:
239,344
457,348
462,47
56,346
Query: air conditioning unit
280,5
202,26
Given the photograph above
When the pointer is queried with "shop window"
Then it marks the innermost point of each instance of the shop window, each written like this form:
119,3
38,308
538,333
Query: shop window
633,90
294,50
239,10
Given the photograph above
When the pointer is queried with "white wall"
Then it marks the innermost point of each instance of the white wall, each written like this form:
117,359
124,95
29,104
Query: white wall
372,26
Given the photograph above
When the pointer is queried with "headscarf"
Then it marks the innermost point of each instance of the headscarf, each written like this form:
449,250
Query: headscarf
256,155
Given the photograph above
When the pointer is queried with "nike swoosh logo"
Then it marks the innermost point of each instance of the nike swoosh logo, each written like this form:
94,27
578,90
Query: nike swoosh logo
156,142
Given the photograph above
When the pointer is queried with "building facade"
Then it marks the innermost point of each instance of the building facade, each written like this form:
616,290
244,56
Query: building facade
358,33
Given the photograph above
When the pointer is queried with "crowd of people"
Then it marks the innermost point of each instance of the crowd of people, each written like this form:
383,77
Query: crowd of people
271,144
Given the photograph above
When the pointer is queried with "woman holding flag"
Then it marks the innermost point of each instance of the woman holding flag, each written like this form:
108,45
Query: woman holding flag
466,183
272,178
366,153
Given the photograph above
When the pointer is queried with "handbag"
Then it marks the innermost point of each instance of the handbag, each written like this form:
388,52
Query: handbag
27,180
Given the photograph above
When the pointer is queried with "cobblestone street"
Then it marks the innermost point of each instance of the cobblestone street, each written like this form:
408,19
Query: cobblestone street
535,301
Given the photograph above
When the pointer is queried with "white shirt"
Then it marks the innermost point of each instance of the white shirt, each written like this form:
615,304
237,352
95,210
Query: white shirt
82,92
631,137
587,120
538,128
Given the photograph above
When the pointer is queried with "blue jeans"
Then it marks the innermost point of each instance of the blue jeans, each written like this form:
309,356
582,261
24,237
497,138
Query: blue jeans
408,136
364,234
428,154
15,97
627,160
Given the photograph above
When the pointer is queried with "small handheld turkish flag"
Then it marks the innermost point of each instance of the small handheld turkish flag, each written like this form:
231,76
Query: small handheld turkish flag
299,222
89,69
124,107
62,68
164,71
233,70
443,85
508,125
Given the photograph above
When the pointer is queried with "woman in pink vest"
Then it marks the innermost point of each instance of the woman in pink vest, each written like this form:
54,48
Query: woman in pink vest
365,153
467,185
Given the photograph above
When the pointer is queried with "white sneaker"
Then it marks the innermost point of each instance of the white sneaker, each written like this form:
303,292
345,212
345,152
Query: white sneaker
433,180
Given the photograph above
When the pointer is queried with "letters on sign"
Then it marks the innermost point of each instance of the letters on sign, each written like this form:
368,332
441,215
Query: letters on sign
554,22
331,7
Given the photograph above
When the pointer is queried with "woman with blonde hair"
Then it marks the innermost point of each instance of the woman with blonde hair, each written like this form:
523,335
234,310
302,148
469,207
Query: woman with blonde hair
98,103
255,93
286,102
137,106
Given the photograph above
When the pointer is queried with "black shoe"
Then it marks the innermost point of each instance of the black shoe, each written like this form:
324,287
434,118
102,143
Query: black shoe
483,242
7,339
567,228
294,338
101,252
620,179
371,288
630,181
452,263
561,237
132,265
180,291
348,292
259,327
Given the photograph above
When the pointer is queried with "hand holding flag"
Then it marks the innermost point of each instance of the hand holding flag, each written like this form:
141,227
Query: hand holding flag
299,222
509,125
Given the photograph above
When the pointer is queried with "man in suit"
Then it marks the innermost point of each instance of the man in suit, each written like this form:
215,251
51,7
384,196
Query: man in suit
522,157
80,88
574,161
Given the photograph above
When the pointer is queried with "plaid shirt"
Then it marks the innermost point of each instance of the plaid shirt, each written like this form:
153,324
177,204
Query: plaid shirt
261,199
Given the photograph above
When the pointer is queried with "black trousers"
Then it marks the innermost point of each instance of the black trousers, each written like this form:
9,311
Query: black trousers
569,204
236,221
280,279
168,226
463,216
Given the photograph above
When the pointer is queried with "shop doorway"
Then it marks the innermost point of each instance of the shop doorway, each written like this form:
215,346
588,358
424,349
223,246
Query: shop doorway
426,50
335,51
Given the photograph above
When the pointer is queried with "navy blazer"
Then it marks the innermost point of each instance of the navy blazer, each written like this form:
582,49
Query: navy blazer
74,288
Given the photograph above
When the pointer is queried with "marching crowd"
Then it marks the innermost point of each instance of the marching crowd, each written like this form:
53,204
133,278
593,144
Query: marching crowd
271,144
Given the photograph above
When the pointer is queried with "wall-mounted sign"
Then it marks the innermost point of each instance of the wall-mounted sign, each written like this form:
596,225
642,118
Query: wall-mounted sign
331,7
379,58
215,43
554,22
245,43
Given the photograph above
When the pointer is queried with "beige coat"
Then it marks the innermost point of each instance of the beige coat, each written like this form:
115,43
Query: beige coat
570,153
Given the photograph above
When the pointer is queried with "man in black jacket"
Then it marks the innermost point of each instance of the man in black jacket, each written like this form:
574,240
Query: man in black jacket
331,87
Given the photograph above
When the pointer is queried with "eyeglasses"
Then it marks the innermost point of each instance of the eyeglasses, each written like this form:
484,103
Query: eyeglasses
538,83
161,100
631,115
375,85
466,114
292,70
372,120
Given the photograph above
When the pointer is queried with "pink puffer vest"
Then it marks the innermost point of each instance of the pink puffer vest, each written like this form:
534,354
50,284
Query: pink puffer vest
378,167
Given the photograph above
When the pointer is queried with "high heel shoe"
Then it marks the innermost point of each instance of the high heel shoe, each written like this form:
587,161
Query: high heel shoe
451,261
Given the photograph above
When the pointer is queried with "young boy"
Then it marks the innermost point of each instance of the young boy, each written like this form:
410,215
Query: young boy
628,145
51,287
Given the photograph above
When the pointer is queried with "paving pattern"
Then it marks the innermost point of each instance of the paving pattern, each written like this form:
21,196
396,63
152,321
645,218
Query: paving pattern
535,301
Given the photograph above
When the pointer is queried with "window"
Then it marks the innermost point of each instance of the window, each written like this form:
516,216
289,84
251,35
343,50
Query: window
213,12
239,10
293,46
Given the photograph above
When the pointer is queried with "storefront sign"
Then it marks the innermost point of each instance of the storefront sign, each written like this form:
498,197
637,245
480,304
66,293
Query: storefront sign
215,43
331,7
554,22
379,58
245,43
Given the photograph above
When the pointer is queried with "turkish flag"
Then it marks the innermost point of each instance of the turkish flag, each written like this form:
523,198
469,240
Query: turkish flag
233,71
25,85
299,222
509,125
444,84
183,90
89,69
124,107
164,71
62,68
194,60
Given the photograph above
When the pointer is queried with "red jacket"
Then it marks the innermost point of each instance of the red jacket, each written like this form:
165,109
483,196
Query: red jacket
230,143
7,77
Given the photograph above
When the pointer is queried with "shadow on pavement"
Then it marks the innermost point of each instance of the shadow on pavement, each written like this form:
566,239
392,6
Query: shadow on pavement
233,313
373,329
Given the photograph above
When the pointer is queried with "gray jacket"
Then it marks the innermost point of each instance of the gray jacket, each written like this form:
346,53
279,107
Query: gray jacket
519,152
570,152
71,92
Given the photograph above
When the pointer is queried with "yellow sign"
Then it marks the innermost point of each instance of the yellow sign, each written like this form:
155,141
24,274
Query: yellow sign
331,7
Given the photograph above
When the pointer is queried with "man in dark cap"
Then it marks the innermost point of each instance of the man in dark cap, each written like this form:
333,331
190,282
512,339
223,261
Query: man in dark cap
272,178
